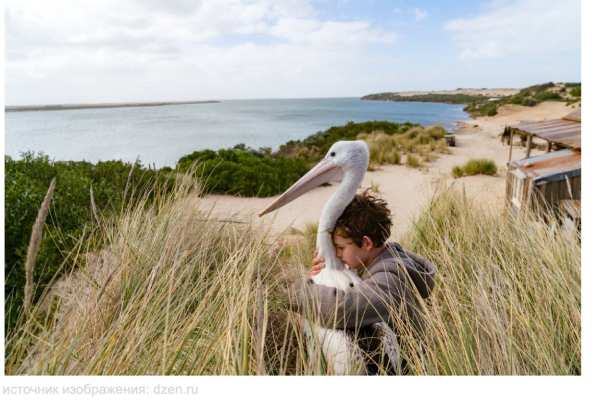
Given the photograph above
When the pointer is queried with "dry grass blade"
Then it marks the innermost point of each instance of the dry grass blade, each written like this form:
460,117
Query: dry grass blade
34,245
93,205
259,329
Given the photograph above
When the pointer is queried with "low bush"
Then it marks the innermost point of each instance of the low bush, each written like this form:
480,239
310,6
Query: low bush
314,147
485,108
384,149
242,171
393,149
458,98
475,167
576,91
547,95
529,102
26,183
247,172
457,171
413,161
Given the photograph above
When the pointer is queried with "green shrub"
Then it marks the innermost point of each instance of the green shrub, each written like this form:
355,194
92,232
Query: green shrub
547,95
314,147
540,87
576,91
383,149
490,110
243,171
475,167
529,96
458,98
436,132
388,149
457,171
529,102
517,99
482,109
413,161
26,183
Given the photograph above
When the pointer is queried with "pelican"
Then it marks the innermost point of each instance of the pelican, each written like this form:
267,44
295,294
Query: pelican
346,162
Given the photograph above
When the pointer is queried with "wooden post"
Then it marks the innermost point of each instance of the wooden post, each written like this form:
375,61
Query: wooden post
528,145
510,142
528,184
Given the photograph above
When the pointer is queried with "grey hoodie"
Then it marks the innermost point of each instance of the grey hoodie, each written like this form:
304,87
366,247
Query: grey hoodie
387,284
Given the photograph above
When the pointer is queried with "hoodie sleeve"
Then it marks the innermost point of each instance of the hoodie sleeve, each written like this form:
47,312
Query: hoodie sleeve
364,304
422,272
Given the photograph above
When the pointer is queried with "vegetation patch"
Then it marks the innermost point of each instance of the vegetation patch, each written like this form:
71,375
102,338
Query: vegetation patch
483,105
211,299
413,147
529,96
458,98
475,167
243,171
314,147
110,185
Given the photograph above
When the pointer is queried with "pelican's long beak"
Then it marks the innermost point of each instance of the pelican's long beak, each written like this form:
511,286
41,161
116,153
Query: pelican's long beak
324,171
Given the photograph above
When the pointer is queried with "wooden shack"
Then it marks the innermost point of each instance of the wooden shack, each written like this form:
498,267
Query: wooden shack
548,180
544,180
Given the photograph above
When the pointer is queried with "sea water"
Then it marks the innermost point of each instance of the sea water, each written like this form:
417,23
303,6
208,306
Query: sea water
159,136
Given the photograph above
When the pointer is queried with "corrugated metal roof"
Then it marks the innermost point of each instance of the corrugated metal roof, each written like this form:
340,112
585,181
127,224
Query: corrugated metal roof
566,130
573,116
546,166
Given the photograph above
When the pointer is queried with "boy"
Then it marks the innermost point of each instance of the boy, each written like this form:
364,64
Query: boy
388,271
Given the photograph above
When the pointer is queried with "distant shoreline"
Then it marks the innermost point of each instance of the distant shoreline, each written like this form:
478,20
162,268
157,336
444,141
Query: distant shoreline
457,96
443,96
57,107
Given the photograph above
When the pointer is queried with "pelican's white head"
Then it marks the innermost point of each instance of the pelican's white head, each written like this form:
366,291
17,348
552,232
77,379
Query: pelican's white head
349,155
342,158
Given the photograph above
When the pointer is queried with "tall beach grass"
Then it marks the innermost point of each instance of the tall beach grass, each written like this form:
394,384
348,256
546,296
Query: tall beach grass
175,291
413,147
477,166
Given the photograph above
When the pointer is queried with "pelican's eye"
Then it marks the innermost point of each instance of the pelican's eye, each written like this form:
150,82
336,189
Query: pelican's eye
332,154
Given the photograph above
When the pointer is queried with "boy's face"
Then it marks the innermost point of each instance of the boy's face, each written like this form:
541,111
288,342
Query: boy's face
352,255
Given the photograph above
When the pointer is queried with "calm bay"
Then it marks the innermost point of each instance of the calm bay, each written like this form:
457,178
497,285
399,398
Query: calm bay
159,136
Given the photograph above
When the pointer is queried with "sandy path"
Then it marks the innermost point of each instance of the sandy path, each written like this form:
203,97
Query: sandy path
406,189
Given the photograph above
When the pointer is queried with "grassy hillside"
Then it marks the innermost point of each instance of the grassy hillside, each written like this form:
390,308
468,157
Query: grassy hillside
529,96
485,105
458,98
175,292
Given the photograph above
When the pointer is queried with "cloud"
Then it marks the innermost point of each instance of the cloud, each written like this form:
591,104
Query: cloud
332,33
114,50
420,14
518,28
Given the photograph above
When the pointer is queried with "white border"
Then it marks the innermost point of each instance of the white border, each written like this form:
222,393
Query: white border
407,387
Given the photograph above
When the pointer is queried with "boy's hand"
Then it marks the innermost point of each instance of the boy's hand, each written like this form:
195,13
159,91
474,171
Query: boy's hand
318,263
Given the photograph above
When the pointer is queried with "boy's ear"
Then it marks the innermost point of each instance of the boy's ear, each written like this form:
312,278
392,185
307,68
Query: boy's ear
367,243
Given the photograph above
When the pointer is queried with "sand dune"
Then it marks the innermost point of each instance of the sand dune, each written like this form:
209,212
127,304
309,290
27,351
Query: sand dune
500,92
406,189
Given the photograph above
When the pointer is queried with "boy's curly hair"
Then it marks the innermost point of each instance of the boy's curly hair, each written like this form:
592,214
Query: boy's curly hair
366,215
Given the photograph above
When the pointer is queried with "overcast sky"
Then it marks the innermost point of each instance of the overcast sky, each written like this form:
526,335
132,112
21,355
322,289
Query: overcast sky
70,51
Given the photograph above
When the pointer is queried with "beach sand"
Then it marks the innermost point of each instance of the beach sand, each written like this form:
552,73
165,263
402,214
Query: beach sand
407,190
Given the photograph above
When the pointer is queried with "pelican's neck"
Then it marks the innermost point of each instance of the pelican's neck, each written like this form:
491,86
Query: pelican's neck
332,211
